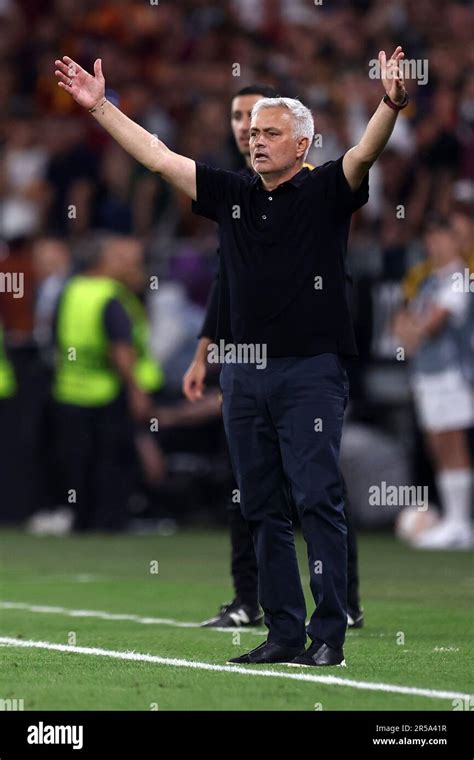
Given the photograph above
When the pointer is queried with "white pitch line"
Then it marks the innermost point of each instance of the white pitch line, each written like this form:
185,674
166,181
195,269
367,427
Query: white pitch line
178,663
117,616
101,615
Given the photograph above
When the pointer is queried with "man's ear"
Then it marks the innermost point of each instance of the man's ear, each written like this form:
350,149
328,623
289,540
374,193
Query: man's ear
301,146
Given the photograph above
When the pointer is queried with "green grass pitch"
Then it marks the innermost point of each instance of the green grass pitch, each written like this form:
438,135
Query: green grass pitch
418,609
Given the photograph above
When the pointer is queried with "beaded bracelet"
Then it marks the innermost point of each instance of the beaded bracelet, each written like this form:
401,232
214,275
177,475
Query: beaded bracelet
91,110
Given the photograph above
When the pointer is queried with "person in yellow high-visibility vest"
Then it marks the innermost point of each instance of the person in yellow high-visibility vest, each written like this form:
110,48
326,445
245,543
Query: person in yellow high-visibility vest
104,377
8,441
7,374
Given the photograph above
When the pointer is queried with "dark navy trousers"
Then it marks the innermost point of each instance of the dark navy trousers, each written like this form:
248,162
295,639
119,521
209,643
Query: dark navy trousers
283,425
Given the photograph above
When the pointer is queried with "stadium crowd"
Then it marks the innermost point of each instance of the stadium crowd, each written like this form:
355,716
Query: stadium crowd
174,67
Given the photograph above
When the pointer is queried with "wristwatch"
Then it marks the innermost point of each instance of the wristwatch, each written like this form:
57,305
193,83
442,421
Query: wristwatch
396,106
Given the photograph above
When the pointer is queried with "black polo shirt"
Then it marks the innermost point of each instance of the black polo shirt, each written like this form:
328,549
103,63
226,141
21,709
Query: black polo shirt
283,251
216,322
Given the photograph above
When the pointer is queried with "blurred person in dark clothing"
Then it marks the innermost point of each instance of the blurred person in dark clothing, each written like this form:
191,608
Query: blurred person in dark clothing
103,379
51,263
114,194
244,609
51,267
71,175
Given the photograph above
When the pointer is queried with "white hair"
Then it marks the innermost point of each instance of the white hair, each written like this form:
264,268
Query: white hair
303,124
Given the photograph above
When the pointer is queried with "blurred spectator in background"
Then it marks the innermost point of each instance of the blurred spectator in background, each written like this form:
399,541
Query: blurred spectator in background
7,374
8,449
437,330
71,174
51,266
102,379
22,185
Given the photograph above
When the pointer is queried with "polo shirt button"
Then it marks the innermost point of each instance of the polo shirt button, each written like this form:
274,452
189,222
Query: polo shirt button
270,198
264,216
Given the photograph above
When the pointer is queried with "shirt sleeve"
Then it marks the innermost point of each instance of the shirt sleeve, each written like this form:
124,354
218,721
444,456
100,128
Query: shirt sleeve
118,326
456,302
337,188
216,189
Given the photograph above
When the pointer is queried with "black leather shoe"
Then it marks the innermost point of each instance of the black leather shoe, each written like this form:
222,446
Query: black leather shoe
269,652
320,653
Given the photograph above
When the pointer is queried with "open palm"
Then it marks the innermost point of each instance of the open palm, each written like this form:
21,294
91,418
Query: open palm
86,89
392,78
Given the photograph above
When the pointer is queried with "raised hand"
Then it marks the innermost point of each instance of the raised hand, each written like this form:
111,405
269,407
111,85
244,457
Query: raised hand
392,78
87,90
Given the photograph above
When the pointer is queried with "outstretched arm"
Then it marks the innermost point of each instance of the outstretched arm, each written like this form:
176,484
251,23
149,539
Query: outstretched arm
358,160
89,92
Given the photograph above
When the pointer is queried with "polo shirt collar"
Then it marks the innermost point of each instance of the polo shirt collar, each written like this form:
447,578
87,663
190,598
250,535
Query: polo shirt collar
296,181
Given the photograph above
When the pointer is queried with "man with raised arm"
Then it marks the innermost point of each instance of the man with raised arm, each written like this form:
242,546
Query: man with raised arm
244,610
283,238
